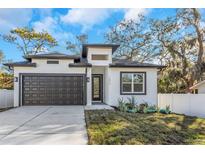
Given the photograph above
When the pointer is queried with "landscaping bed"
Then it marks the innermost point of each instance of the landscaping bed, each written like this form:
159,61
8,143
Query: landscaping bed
116,127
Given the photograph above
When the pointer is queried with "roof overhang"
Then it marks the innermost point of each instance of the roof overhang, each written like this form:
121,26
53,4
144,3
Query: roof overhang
135,66
85,47
20,64
51,57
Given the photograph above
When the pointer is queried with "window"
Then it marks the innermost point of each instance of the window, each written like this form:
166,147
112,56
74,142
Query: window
99,57
133,83
52,62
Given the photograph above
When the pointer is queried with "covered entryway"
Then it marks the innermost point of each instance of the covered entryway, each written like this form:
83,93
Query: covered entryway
97,87
53,89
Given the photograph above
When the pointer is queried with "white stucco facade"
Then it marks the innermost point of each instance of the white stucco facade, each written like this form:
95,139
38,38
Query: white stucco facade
111,77
100,51
43,67
113,82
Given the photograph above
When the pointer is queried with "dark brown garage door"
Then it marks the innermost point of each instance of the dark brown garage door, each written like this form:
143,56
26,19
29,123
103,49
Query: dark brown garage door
52,89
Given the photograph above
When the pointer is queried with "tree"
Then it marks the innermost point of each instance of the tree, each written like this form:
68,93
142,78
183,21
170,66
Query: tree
29,41
6,80
3,60
76,45
134,38
6,77
191,18
1,56
176,41
179,40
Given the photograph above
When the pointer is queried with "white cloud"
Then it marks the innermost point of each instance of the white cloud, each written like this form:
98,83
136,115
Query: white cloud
87,18
52,26
134,13
47,24
12,18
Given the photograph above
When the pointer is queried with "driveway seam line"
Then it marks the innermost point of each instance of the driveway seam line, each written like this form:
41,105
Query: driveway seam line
26,123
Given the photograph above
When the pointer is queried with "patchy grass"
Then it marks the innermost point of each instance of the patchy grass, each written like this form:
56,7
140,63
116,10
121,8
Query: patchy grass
114,127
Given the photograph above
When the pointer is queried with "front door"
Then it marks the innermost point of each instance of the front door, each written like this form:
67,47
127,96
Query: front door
97,87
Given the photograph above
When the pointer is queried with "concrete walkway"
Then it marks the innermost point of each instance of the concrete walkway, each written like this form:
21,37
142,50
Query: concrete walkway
99,107
43,125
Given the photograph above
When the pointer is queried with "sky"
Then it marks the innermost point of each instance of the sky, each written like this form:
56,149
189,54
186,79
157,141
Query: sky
64,24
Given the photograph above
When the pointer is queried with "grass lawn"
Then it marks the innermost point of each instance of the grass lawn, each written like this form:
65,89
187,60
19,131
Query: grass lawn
114,127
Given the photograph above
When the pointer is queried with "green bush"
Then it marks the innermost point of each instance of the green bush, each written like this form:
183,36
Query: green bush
122,105
150,109
131,106
131,103
166,110
142,107
132,100
133,110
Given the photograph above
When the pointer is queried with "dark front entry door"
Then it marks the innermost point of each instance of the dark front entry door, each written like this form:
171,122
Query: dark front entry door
52,89
97,87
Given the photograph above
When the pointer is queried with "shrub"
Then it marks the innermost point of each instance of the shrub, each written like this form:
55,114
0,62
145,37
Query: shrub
166,110
132,100
122,105
142,107
150,109
130,106
134,110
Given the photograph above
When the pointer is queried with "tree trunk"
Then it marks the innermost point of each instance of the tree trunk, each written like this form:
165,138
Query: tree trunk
199,67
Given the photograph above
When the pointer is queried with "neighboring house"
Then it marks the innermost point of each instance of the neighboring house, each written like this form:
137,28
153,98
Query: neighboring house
198,88
94,77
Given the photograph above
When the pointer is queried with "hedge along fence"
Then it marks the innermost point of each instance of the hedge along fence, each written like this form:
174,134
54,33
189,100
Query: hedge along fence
6,98
188,104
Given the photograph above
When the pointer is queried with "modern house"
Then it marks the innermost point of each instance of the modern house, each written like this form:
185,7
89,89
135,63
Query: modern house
93,77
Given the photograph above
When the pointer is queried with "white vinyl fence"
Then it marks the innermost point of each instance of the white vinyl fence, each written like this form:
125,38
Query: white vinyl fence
6,98
188,104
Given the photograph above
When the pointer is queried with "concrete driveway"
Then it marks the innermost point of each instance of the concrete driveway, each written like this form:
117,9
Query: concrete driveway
43,125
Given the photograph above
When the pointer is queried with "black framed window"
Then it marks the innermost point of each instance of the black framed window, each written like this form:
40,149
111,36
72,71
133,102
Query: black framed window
99,57
52,62
133,82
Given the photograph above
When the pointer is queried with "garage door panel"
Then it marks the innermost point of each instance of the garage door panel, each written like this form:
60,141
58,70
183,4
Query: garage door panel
52,90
